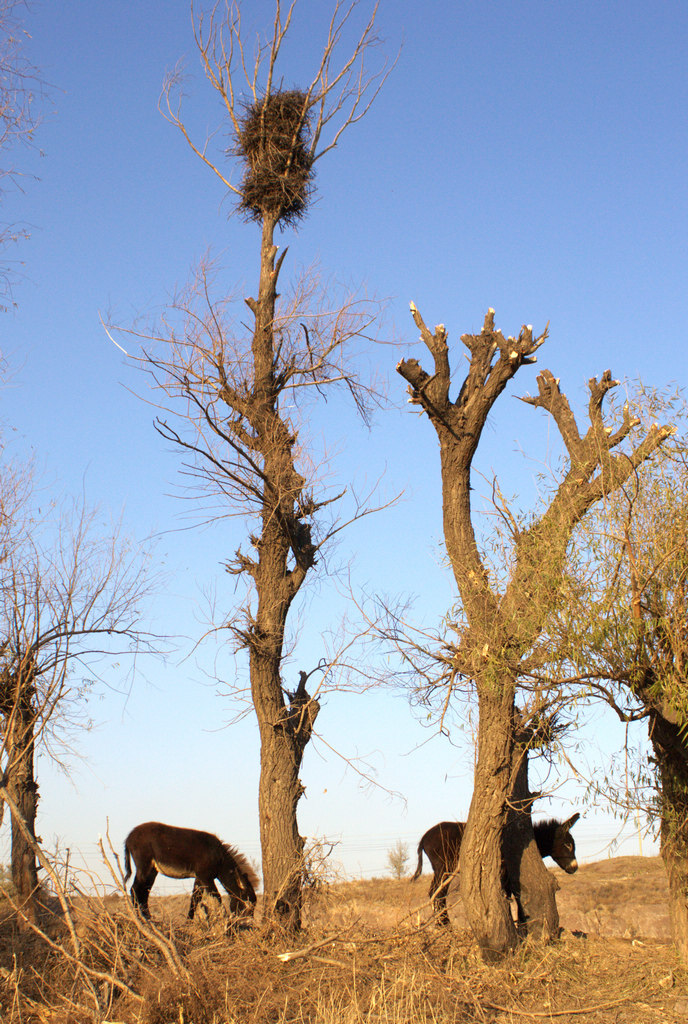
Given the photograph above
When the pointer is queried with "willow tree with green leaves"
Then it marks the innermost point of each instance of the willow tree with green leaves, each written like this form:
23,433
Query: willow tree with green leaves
622,632
503,627
236,399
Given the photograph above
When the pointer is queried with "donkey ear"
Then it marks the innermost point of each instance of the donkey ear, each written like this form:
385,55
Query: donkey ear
568,825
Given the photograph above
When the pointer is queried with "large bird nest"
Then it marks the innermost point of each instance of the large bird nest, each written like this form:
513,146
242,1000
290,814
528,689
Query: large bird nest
273,141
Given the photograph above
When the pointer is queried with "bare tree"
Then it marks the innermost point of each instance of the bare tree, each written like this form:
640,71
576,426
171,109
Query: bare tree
397,858
242,400
69,597
18,79
502,629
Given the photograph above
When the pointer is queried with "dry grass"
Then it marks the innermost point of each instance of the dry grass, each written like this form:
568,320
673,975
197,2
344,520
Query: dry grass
369,955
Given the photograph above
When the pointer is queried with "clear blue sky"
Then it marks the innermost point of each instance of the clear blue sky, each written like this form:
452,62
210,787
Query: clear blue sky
527,156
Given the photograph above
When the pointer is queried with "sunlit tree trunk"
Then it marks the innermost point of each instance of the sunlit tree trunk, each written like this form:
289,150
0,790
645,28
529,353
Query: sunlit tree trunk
480,875
668,740
19,723
285,554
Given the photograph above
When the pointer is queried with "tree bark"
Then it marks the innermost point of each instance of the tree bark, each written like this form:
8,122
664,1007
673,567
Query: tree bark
284,734
19,714
668,740
675,855
285,554
480,874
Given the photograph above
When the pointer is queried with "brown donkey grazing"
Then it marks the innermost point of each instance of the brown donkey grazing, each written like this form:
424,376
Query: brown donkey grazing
441,844
187,853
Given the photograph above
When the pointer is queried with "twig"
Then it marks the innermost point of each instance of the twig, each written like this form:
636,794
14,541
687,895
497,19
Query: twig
332,963
166,947
546,1014
298,953
398,936
89,972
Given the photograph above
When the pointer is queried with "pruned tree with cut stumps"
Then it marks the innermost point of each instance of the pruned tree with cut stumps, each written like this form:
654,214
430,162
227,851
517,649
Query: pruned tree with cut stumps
503,626
236,400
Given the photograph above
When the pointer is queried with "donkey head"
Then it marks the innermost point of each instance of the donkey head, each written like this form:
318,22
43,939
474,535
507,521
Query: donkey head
564,848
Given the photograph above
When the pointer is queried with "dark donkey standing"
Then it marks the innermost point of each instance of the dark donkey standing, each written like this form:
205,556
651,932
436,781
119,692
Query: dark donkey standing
441,844
187,853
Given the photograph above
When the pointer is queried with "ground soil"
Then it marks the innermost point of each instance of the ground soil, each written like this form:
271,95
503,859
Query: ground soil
369,954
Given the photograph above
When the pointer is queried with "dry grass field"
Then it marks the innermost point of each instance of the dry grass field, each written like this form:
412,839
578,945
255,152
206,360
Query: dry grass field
369,954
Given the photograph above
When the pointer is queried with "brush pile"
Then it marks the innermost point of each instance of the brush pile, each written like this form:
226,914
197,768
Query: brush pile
370,954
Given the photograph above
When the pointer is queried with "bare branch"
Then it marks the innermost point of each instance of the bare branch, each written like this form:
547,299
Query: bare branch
68,596
335,99
19,82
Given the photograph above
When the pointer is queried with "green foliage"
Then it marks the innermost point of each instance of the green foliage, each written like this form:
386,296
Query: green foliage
621,630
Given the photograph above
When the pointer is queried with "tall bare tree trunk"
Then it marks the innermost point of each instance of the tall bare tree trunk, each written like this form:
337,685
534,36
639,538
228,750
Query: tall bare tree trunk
285,538
243,408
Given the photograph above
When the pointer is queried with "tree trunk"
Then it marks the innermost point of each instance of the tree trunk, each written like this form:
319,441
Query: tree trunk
23,790
285,554
677,874
282,846
671,752
480,875
533,886
284,736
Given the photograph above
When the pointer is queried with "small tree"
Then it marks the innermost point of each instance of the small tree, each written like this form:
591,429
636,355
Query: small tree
502,629
242,399
68,597
397,858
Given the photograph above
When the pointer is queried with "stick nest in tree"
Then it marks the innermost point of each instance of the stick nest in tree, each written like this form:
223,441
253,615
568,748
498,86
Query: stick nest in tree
273,141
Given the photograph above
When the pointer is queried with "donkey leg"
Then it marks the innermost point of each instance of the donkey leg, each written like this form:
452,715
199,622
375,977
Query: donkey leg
441,902
439,887
196,897
239,906
140,891
521,916
213,891
201,887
